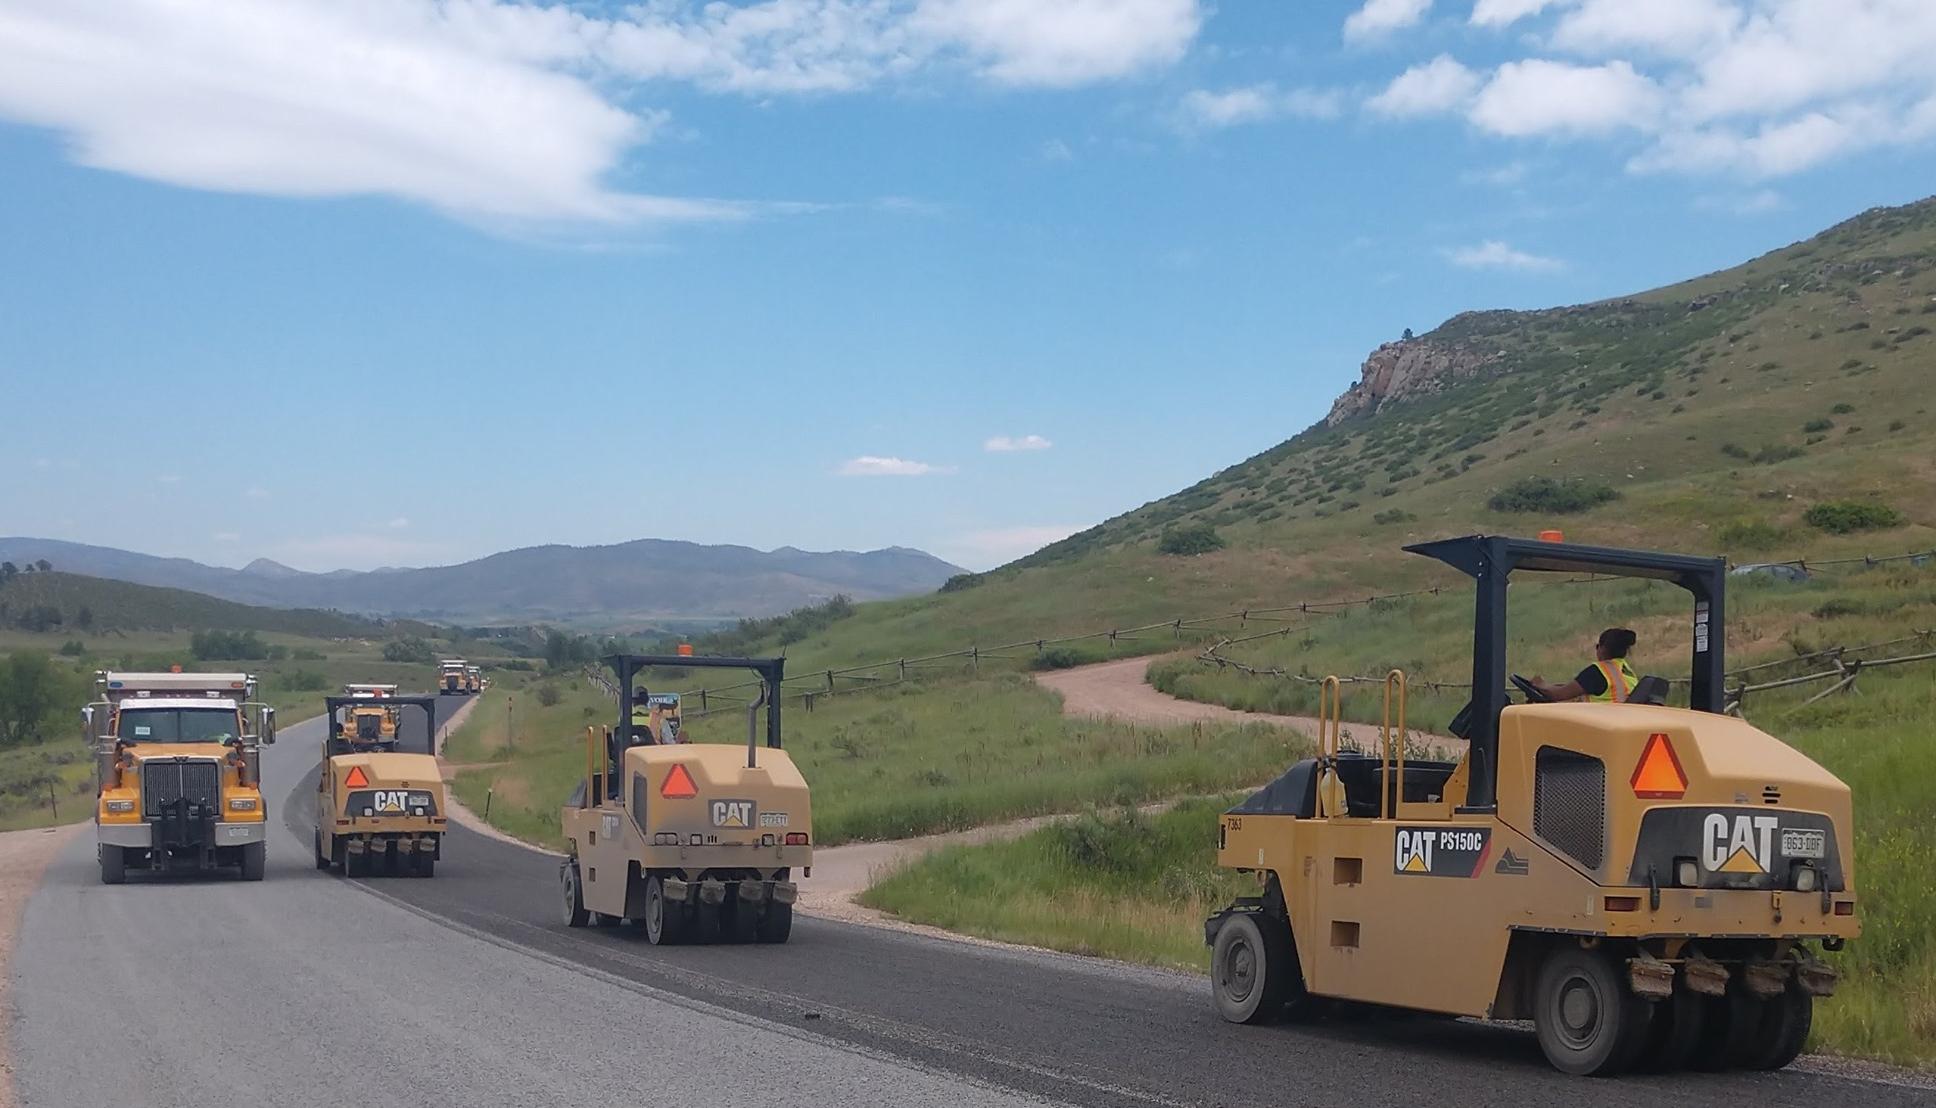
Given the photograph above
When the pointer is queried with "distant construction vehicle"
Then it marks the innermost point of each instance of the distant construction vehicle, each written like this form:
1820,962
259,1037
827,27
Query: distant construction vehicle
178,775
378,809
1641,882
453,677
692,842
473,679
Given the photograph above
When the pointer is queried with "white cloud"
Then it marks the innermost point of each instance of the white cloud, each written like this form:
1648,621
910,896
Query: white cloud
1440,85
1382,17
1004,444
869,465
43,463
1500,13
498,112
1677,28
399,523
1201,108
1062,44
1502,176
226,536
1758,202
1537,96
1493,254
169,478
987,549
1055,150
256,492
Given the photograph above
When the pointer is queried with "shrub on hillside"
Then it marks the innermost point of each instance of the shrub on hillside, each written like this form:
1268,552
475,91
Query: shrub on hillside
1844,517
1193,538
1817,426
1779,452
1393,515
1842,409
1546,495
228,646
411,649
302,680
73,648
962,581
1056,657
548,694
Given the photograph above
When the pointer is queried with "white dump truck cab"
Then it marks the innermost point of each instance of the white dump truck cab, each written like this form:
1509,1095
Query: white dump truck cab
178,772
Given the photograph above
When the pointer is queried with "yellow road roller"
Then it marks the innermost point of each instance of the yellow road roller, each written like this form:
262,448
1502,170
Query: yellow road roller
1642,882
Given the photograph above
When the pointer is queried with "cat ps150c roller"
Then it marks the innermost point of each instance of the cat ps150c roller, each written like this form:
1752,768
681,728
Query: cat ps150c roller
691,841
1643,882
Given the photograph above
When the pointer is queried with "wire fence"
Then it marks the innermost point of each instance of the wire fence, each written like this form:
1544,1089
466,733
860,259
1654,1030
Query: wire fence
808,688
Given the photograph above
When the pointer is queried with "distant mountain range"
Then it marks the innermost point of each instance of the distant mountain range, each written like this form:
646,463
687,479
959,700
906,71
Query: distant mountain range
632,584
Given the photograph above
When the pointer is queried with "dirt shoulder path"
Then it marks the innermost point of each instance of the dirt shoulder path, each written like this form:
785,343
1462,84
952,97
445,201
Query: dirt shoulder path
1121,690
23,858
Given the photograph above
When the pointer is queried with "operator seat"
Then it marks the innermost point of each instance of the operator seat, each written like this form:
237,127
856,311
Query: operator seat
1649,690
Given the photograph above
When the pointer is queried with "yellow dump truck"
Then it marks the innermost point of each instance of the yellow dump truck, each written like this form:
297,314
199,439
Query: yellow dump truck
453,677
178,773
691,842
473,679
379,809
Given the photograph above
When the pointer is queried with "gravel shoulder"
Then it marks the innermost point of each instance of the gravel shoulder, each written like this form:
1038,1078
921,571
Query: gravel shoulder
24,856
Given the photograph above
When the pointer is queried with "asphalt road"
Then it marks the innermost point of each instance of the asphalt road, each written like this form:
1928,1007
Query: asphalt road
467,988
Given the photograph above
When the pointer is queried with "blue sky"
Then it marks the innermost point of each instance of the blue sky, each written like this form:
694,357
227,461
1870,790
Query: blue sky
349,283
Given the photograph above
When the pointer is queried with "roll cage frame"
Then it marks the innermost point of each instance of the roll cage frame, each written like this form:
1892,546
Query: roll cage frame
1491,560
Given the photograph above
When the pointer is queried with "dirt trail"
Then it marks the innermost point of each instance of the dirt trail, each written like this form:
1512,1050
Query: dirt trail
23,858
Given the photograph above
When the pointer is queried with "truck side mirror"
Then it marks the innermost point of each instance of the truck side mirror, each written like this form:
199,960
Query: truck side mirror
268,727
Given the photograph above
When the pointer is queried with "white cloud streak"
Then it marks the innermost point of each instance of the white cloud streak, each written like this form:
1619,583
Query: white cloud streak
1382,17
1493,254
1006,444
870,465
1202,109
1436,87
496,112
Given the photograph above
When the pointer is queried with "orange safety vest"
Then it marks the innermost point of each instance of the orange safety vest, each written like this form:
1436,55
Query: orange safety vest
1620,682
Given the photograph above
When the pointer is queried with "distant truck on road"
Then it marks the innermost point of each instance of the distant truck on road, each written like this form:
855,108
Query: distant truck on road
453,677
178,777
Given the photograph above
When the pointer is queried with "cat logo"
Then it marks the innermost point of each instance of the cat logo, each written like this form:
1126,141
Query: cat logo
391,801
1414,851
1738,844
732,813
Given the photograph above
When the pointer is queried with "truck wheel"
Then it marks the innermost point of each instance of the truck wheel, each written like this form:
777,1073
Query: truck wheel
776,923
114,865
1674,1033
426,865
575,914
255,861
1253,968
1589,1023
356,863
743,924
322,860
1784,1029
665,923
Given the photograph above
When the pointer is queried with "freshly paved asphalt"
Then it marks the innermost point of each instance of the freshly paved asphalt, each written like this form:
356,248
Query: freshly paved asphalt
468,988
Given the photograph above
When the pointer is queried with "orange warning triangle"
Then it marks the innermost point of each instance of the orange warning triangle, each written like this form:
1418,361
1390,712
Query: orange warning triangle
1659,775
356,779
678,784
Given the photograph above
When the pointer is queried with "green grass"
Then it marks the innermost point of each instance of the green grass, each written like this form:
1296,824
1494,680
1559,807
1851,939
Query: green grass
29,774
1116,884
905,761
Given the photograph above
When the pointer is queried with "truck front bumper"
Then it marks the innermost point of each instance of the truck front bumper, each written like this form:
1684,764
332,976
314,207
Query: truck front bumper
142,835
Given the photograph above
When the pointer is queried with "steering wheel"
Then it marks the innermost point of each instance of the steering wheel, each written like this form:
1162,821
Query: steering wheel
1534,694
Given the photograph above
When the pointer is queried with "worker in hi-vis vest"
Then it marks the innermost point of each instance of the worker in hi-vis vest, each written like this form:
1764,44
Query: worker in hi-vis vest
1609,680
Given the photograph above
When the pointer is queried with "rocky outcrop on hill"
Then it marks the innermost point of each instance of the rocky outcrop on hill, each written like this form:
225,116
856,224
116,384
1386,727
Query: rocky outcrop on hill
1410,368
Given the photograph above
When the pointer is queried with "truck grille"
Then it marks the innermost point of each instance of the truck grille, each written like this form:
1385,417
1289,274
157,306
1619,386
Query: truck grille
200,780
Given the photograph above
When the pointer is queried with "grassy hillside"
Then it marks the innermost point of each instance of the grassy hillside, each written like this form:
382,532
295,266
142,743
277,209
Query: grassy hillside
99,605
1801,379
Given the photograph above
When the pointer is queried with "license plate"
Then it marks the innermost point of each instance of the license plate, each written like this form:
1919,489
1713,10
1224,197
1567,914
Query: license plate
1797,843
237,832
773,819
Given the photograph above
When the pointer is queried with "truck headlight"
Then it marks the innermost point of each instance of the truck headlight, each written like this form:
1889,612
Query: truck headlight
118,805
1804,879
242,803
